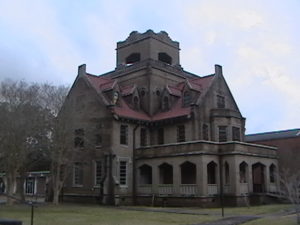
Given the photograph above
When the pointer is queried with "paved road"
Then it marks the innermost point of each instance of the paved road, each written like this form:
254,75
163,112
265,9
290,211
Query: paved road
236,220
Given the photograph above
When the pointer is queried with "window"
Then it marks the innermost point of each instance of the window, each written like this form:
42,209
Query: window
243,172
205,132
187,98
180,133
220,102
78,174
272,173
212,173
222,133
160,136
145,174
143,137
98,140
227,180
123,173
164,57
236,136
136,102
98,172
166,104
124,135
79,138
30,185
133,58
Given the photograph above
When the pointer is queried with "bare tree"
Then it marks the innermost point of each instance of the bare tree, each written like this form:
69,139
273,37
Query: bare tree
290,184
60,136
20,127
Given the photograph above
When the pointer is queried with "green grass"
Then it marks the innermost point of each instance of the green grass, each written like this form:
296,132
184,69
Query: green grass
95,215
71,214
284,220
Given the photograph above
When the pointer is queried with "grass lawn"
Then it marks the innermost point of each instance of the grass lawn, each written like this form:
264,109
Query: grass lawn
71,214
284,220
95,215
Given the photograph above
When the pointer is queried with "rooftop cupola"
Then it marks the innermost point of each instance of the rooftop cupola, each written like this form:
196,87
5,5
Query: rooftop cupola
149,45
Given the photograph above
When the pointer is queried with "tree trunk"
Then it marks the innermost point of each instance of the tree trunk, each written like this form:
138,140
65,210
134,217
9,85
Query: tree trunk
11,182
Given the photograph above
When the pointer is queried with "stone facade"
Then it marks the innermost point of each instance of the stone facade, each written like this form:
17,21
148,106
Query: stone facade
150,132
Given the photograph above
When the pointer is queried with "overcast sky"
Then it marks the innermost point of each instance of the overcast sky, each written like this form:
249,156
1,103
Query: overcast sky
256,41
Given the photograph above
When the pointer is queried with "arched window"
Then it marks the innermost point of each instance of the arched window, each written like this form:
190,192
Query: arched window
188,173
165,174
212,173
133,58
164,57
187,98
243,172
145,174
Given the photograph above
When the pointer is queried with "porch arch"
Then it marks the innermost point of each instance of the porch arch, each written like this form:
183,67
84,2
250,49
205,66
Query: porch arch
188,173
165,173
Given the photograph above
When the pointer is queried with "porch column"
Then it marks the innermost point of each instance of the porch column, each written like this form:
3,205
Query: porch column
235,178
176,178
267,178
155,178
201,177
250,179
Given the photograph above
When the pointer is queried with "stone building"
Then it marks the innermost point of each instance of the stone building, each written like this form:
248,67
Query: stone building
150,132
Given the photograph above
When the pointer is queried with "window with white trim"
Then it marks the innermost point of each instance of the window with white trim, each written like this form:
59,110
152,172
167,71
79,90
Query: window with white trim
78,174
123,172
30,185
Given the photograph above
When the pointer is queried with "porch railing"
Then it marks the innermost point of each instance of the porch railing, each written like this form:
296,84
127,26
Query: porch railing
212,189
165,189
188,189
145,189
244,188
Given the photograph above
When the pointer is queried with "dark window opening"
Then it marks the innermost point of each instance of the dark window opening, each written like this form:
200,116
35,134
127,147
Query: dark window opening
272,173
188,173
123,172
180,133
220,102
258,174
79,138
205,132
236,134
165,174
98,172
145,174
212,173
166,104
243,172
164,57
222,133
98,139
124,135
30,186
143,137
160,136
227,176
78,174
133,58
136,102
187,98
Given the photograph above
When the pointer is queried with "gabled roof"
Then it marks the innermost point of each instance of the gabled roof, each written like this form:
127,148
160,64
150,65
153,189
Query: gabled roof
273,135
122,109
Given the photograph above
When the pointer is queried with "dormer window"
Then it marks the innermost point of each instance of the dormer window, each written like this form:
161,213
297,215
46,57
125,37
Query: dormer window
136,102
165,105
133,58
164,57
220,102
187,98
